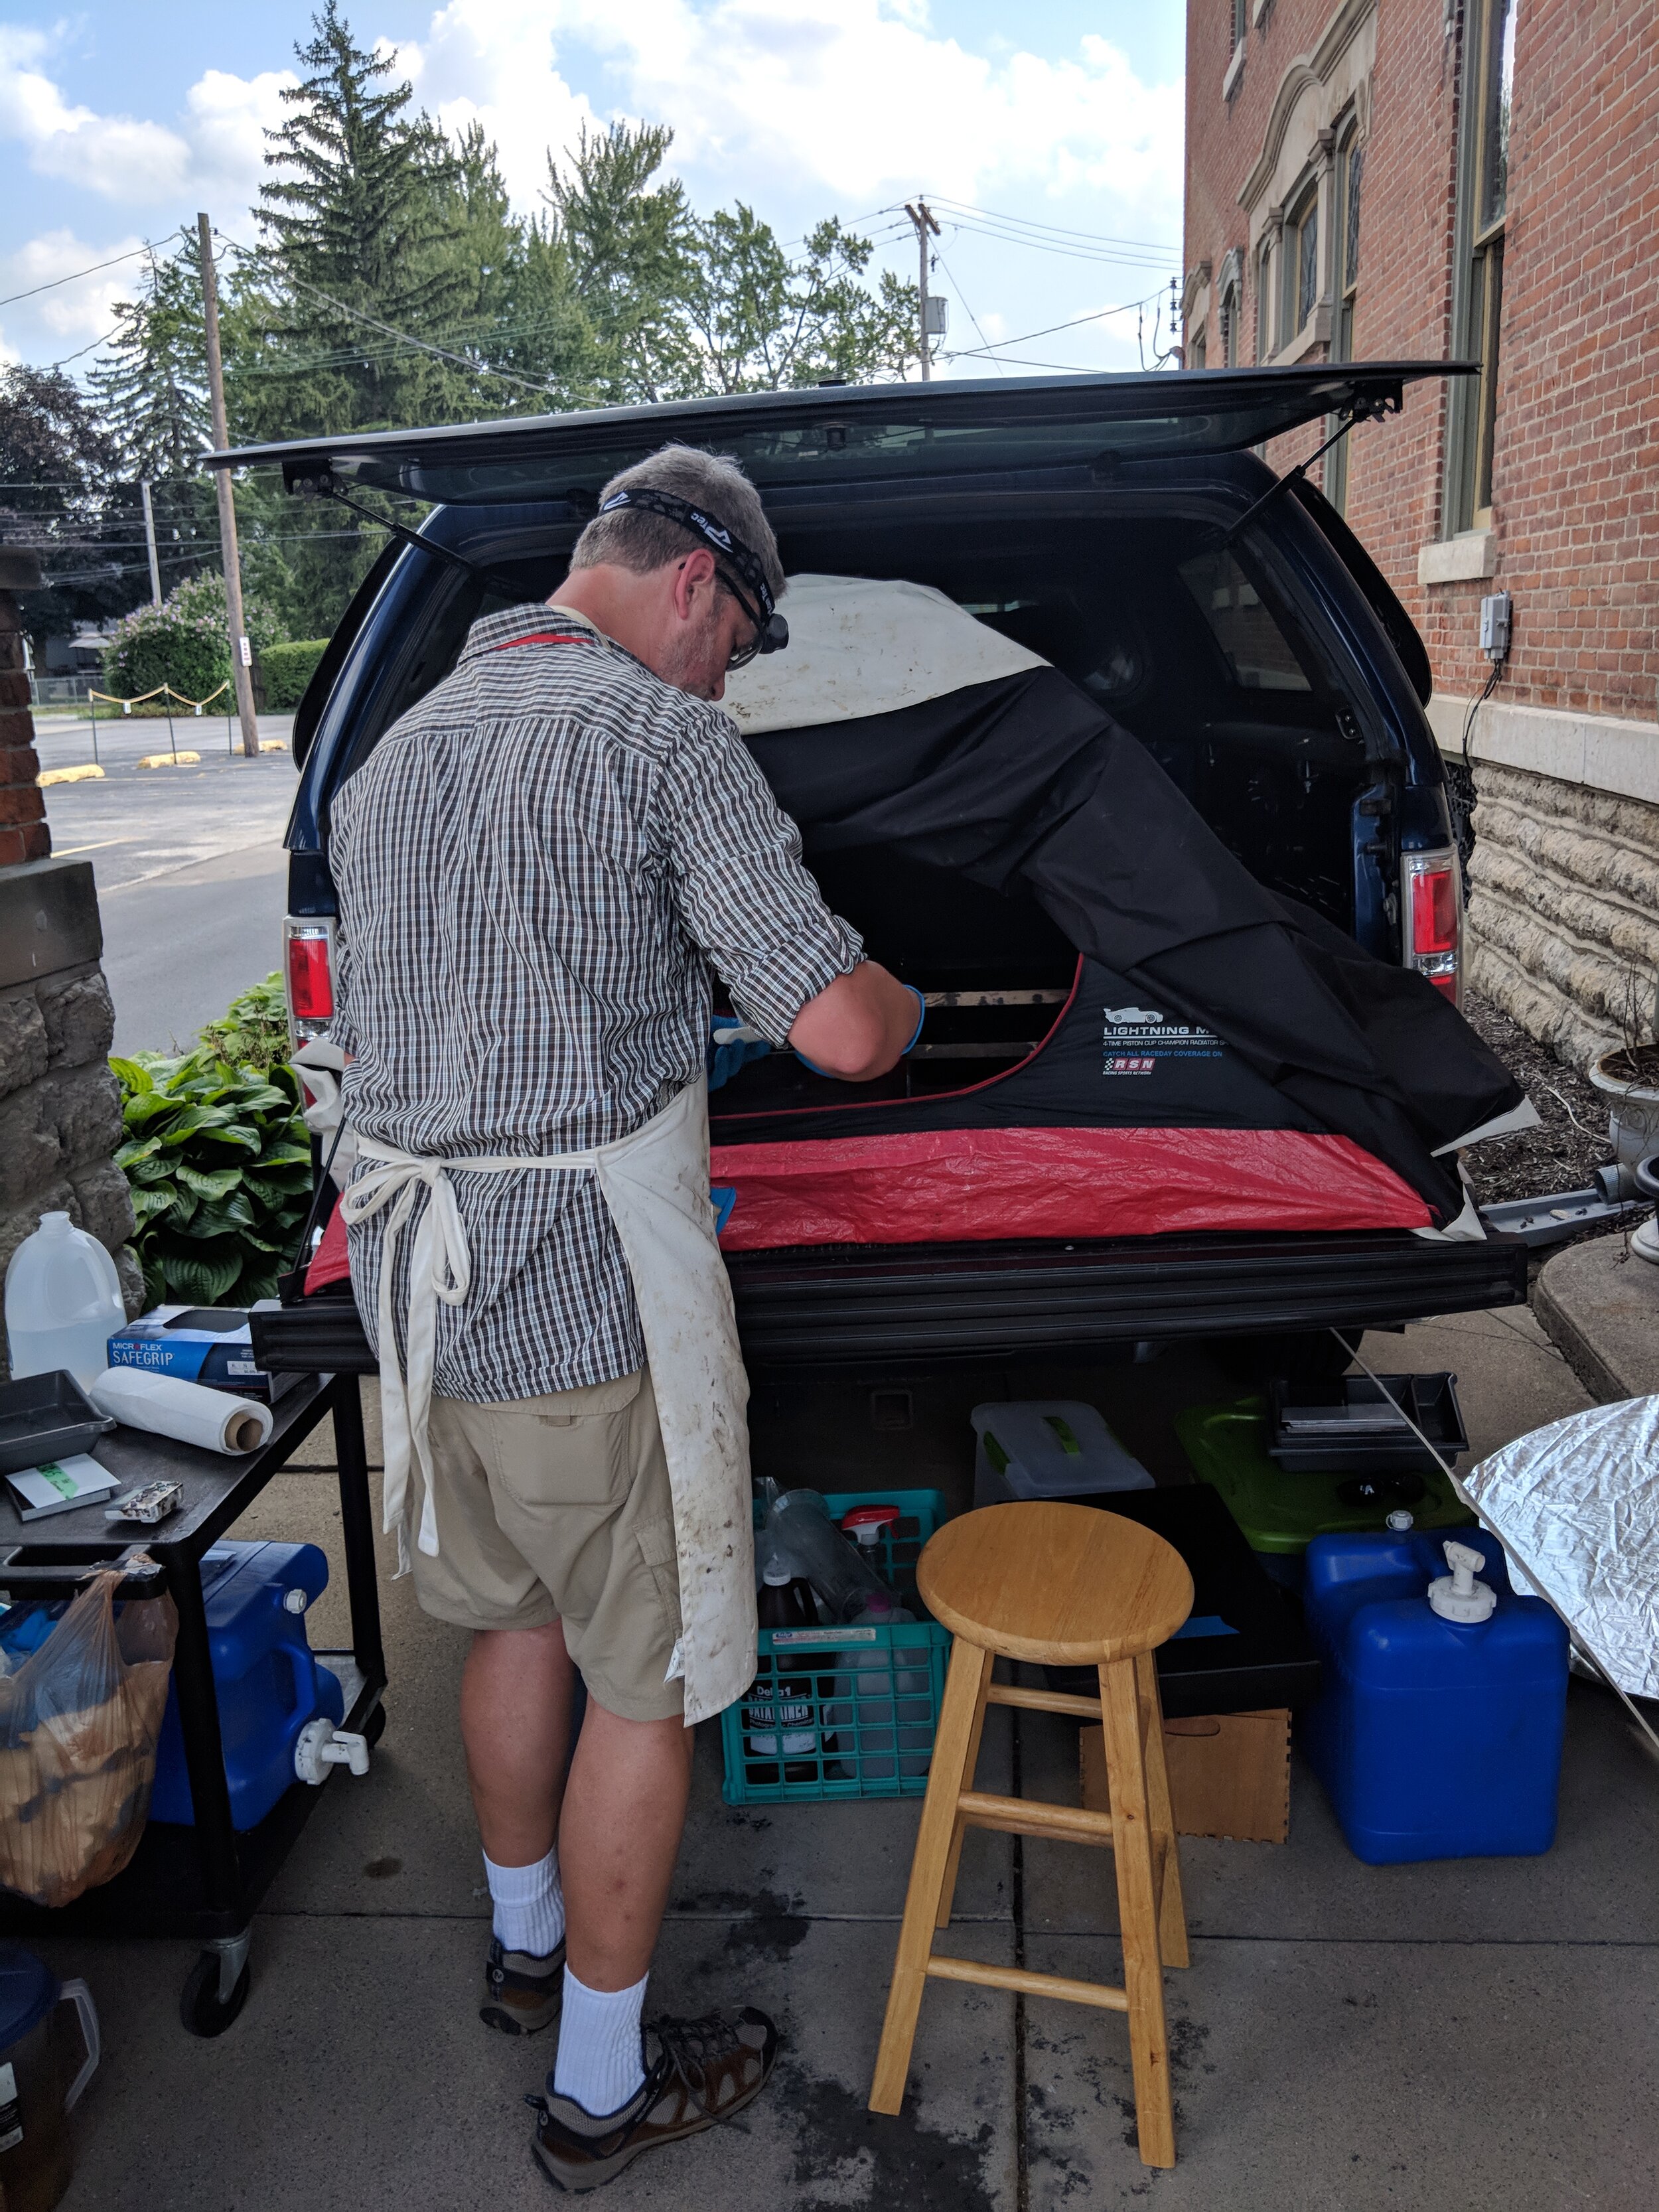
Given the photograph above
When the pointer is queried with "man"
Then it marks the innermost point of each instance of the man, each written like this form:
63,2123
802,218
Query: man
536,869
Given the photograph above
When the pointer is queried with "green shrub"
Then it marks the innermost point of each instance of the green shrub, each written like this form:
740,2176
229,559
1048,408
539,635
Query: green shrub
287,669
219,1167
252,1032
183,641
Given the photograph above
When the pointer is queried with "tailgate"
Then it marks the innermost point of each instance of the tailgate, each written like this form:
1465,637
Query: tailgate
897,1306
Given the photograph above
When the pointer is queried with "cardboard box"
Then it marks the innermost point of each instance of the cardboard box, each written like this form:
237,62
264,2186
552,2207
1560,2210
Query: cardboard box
209,1345
1230,1775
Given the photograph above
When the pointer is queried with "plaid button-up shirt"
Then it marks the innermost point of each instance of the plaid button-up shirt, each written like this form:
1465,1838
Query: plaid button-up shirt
536,868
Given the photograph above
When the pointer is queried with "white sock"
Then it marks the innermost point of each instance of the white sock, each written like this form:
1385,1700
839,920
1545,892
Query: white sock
529,1904
600,2065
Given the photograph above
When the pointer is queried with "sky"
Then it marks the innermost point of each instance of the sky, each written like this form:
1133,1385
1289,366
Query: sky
118,123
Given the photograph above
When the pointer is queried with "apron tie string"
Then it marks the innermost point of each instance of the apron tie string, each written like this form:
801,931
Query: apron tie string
440,1267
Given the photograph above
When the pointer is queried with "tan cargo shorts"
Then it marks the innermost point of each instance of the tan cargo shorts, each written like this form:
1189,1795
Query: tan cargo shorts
558,1509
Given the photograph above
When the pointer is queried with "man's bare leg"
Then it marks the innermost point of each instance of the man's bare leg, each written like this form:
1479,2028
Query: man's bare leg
620,1833
516,1691
618,1840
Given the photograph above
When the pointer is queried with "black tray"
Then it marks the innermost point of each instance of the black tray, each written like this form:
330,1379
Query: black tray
1430,1399
1267,1663
46,1416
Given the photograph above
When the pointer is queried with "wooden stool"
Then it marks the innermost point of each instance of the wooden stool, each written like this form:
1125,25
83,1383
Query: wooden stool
1066,1586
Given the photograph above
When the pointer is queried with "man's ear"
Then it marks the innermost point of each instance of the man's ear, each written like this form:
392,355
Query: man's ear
695,569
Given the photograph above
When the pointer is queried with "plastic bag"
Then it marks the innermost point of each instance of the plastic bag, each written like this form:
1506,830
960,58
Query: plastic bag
79,1721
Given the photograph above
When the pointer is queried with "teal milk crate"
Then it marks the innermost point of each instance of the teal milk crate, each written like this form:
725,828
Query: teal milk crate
845,1713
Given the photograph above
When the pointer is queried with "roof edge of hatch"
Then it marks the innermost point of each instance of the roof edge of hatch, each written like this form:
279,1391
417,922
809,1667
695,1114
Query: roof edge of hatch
944,401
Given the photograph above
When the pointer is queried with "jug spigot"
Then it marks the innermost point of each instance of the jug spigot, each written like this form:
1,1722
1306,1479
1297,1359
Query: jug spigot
1458,1596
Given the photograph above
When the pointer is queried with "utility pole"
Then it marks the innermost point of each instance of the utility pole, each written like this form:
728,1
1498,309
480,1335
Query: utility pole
242,654
149,541
922,216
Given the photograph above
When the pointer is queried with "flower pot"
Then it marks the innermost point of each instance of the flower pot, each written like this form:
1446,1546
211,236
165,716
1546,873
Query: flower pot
1631,1079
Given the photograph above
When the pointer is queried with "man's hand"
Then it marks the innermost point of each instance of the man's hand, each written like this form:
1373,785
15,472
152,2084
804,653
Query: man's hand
859,1027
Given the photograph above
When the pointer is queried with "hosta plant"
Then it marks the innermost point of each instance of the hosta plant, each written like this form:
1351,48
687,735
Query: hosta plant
219,1167
253,1031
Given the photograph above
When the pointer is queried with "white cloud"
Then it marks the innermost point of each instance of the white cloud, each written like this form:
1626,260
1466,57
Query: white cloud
493,62
229,118
219,144
68,313
856,97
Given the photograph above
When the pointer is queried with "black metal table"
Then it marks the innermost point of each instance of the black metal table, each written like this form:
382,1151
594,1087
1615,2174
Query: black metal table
206,1881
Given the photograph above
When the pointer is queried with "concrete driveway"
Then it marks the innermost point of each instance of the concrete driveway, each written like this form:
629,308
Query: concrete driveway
1444,2037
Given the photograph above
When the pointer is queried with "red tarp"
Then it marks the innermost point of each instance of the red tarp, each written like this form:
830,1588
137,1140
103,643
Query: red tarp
949,1186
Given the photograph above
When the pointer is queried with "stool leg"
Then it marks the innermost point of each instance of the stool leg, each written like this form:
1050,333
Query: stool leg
960,1716
970,1767
1137,1906
1171,1908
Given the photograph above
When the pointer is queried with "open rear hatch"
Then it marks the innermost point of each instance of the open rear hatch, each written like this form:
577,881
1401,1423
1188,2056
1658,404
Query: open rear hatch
832,436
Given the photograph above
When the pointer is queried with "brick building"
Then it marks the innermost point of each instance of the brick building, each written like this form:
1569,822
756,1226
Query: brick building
1477,180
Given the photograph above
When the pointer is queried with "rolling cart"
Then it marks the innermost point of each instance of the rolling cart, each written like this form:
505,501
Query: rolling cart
203,1881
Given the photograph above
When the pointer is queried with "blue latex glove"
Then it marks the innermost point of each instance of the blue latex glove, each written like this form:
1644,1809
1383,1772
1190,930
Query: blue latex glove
723,1197
730,1045
916,1036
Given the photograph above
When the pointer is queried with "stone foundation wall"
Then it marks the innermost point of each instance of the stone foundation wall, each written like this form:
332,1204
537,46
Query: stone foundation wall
1564,911
60,1106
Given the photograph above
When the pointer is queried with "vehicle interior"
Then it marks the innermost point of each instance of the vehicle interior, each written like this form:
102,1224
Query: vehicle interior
1179,637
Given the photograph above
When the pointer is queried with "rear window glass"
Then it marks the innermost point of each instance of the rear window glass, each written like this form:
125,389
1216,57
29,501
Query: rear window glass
1257,653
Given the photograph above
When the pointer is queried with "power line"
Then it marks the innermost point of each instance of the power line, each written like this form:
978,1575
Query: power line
90,347
53,283
1100,257
984,343
460,361
1025,337
1056,230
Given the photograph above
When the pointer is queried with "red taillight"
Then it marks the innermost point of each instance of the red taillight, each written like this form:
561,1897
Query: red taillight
1434,911
1433,929
310,984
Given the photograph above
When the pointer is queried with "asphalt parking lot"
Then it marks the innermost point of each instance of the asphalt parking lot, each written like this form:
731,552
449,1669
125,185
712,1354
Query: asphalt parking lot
189,862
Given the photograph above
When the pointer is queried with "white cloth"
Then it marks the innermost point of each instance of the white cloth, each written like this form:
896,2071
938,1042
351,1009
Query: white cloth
1577,1506
321,1063
860,646
655,1184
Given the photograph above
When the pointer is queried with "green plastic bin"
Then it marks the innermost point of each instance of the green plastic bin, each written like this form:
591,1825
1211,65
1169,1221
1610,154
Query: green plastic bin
850,1712
1281,1508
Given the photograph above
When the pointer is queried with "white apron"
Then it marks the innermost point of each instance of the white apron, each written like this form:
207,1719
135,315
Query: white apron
655,1183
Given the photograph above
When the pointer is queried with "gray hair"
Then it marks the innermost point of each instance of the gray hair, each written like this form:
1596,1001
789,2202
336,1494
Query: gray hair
633,539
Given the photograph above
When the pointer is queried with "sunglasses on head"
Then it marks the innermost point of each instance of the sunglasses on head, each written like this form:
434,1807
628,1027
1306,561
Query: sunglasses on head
770,632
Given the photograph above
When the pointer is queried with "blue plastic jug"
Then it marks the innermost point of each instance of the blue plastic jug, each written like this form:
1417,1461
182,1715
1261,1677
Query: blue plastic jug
1436,1737
269,1684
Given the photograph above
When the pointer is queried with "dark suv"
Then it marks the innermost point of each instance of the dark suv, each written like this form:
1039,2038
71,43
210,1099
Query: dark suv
1120,526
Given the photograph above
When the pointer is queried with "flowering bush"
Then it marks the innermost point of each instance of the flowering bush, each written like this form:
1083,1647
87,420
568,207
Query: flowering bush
183,642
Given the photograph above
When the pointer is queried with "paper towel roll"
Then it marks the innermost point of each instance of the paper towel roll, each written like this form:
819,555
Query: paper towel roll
183,1411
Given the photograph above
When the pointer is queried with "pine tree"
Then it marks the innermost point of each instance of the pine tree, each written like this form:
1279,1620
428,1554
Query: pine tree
152,393
361,225
152,386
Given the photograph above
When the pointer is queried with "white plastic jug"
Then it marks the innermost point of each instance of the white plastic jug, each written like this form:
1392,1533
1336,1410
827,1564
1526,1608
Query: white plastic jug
62,1302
